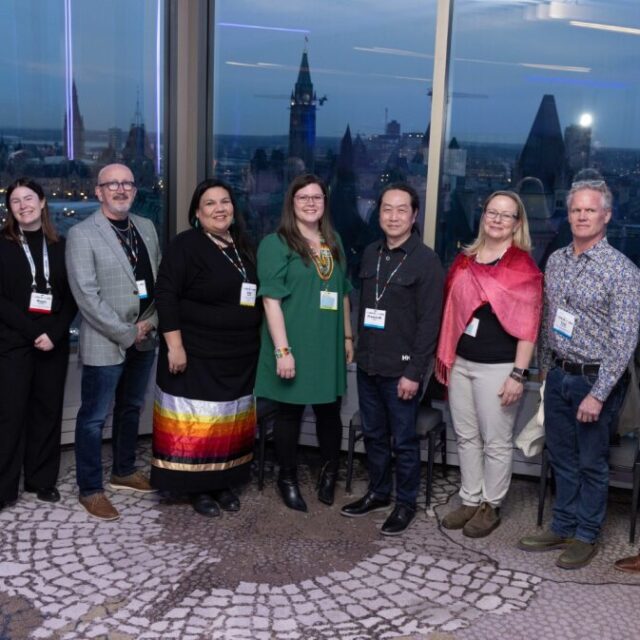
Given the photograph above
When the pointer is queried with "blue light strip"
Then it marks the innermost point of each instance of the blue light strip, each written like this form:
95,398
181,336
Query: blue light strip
68,59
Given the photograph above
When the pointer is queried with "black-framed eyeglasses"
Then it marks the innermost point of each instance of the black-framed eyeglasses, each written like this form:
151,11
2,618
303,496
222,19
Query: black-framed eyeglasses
503,216
114,185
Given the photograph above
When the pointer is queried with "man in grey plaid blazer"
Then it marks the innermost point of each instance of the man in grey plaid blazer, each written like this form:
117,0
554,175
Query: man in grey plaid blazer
112,260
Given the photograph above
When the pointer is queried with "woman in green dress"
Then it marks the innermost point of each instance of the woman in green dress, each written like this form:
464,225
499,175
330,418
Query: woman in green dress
306,336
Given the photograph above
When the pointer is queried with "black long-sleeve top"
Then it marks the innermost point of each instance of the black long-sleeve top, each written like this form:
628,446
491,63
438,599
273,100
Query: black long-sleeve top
198,292
413,304
18,326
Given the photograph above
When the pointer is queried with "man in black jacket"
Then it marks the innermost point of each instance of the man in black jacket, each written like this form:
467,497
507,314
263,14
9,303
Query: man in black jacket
399,319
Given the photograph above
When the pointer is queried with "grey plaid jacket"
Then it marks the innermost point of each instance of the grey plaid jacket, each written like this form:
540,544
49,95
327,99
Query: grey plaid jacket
104,286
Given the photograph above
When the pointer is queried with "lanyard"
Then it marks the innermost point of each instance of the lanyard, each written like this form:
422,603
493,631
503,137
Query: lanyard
393,273
32,264
238,265
128,238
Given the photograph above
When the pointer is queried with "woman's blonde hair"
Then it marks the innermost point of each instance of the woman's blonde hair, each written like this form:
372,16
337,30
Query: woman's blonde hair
521,237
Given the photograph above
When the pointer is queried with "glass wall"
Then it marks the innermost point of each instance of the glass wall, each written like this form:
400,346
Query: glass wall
538,92
340,89
81,87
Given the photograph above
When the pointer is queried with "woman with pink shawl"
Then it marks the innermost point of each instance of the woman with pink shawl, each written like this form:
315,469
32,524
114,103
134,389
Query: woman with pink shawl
492,311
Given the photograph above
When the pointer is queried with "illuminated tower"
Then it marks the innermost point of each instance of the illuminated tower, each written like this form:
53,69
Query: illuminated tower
302,121
73,137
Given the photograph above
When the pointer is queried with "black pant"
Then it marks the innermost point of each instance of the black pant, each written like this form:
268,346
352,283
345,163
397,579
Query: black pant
32,388
286,432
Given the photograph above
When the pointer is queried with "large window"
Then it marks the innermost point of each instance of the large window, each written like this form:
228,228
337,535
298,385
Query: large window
82,88
337,88
540,91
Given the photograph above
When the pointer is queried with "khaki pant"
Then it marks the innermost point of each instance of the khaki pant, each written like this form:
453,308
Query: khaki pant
484,430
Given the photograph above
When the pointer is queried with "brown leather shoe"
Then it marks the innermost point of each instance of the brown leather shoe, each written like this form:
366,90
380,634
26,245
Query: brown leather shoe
628,565
99,506
135,481
457,518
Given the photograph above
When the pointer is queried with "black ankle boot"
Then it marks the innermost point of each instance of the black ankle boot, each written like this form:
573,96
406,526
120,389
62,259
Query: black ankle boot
326,485
290,491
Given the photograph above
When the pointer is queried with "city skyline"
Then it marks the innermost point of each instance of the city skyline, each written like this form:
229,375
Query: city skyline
373,65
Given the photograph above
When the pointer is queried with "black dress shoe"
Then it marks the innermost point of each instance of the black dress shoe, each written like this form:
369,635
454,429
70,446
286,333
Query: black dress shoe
50,494
399,520
326,485
227,500
205,505
367,504
290,491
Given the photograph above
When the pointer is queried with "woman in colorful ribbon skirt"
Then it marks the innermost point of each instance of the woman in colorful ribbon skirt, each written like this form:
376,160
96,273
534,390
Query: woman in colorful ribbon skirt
492,312
204,417
306,339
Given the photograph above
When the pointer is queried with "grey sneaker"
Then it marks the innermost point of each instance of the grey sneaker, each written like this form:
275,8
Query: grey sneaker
135,481
457,518
484,521
546,541
578,554
99,506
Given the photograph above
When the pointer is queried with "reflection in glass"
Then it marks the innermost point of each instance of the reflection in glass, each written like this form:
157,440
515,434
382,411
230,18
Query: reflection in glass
536,98
339,89
82,90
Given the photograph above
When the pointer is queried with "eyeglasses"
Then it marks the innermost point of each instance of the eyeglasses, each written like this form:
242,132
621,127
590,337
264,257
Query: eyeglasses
304,199
588,184
114,185
503,216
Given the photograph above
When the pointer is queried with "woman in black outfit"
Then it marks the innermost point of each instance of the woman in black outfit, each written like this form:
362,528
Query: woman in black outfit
36,309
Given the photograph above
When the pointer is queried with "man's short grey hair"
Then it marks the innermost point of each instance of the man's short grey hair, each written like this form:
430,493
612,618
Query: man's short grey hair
594,185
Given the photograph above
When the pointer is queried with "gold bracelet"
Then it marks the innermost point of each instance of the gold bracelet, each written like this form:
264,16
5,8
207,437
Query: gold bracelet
282,352
349,338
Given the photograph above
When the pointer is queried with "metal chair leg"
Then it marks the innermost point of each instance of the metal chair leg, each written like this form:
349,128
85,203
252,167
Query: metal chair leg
634,500
350,451
262,439
431,452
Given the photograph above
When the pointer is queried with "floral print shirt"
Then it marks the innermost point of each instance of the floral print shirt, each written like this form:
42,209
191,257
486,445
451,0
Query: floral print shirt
600,288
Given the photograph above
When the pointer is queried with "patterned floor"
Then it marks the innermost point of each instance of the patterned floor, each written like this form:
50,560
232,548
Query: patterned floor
268,573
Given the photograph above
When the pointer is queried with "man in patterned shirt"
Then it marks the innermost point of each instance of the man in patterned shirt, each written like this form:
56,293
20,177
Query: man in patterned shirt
589,333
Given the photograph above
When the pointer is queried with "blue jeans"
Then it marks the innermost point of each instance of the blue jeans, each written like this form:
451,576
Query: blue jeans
579,454
127,383
389,425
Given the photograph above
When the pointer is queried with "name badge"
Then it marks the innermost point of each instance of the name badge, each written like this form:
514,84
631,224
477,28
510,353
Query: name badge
248,294
329,300
374,318
564,322
40,302
142,289
472,328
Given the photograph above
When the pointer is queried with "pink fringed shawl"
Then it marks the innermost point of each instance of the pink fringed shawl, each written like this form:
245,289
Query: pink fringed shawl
513,288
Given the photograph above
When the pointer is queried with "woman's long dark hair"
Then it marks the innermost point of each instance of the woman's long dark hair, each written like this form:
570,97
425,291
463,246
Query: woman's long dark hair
11,229
288,229
237,229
